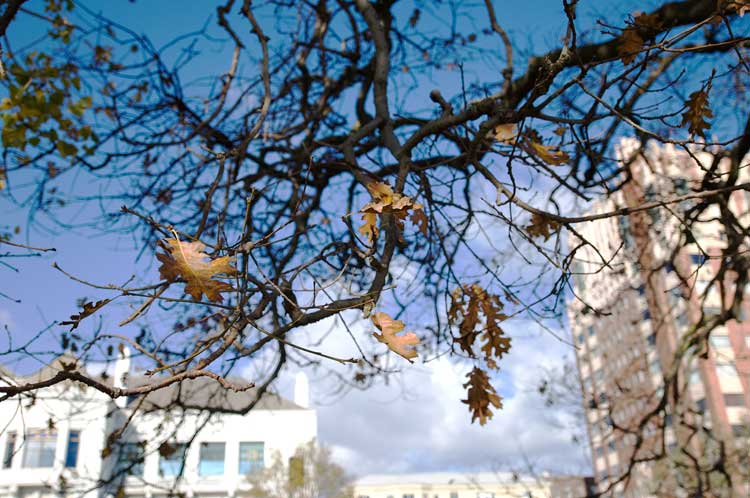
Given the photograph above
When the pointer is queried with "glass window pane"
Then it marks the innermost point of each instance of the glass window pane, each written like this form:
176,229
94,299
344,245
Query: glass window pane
40,448
71,454
251,457
130,459
211,459
10,448
172,464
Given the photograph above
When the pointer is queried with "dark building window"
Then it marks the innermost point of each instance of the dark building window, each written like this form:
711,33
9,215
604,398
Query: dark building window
591,330
646,314
651,339
71,454
130,459
701,404
10,448
734,399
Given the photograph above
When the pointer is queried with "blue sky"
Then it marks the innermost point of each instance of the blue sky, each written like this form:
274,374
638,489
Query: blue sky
420,427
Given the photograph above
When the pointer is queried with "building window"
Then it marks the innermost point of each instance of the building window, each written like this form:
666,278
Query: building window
651,339
172,459
408,496
454,495
251,457
720,341
697,259
71,453
211,459
734,399
695,377
130,459
701,405
591,331
10,449
646,314
739,430
40,448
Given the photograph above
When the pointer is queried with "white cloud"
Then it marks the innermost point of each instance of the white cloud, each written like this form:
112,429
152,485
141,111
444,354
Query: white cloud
417,422
6,320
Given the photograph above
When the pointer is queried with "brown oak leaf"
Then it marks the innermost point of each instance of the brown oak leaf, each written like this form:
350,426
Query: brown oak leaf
697,112
400,344
478,314
542,226
89,309
481,396
187,260
387,202
630,45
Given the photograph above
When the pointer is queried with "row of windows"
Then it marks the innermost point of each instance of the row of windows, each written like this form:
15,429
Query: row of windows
39,451
211,458
480,494
40,448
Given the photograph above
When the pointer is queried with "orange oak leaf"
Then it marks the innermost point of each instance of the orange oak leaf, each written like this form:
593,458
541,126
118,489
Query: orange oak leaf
399,344
548,153
506,132
187,260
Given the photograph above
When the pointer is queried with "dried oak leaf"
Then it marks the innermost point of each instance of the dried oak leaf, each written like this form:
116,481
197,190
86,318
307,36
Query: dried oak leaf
542,226
386,201
89,309
469,304
630,45
506,132
697,112
187,260
550,154
399,344
481,396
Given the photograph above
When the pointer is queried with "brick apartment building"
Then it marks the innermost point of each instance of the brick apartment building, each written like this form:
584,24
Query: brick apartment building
643,297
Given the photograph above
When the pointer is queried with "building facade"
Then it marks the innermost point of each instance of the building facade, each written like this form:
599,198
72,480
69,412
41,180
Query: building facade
61,444
470,485
643,298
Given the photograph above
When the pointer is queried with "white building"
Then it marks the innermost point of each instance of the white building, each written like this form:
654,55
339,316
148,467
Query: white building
470,485
56,443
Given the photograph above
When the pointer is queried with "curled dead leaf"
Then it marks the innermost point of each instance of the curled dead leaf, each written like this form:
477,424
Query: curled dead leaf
187,260
697,112
400,344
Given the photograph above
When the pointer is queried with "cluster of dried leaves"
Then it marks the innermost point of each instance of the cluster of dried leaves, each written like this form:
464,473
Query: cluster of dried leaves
386,204
478,316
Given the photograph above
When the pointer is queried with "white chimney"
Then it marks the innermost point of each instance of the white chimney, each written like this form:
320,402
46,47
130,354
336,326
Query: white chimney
301,390
122,369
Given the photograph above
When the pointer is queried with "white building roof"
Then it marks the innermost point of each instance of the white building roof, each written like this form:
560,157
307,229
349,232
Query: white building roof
443,478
